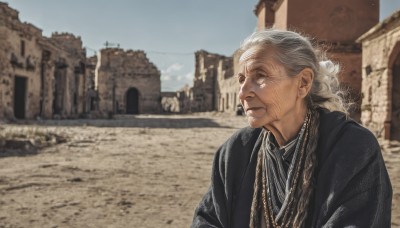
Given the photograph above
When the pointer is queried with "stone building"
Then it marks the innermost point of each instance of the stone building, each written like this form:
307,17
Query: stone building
214,87
335,24
20,57
381,78
39,76
127,83
177,102
170,102
91,97
185,97
64,74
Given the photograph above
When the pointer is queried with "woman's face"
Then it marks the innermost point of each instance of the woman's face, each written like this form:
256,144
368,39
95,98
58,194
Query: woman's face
267,93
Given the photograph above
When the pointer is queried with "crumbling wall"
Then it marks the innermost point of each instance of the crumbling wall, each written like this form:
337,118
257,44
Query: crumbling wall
121,72
215,86
205,87
91,104
380,103
185,98
170,102
40,76
20,57
228,85
75,61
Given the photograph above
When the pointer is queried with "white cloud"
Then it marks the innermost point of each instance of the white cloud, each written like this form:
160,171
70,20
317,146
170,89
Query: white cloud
174,67
166,77
175,81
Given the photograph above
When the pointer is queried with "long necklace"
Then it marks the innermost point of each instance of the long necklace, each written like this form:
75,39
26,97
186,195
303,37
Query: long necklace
267,201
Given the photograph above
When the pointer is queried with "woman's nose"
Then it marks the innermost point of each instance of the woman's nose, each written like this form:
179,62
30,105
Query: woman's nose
246,89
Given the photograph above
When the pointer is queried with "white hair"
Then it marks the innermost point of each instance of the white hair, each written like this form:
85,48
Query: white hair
296,53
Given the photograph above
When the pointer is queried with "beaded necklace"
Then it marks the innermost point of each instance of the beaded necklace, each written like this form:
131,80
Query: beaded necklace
290,200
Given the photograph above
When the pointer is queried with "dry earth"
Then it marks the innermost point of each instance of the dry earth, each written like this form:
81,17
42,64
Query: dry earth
142,171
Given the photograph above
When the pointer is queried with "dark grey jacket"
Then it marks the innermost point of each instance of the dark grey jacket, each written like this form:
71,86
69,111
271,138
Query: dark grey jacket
352,187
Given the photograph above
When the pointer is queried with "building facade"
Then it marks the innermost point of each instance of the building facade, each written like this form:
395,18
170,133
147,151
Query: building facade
334,24
381,78
40,77
50,77
214,87
127,83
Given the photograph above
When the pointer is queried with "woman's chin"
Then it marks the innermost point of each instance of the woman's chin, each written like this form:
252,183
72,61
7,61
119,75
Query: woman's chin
255,122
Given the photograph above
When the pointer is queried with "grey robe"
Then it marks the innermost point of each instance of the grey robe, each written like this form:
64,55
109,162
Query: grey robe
352,186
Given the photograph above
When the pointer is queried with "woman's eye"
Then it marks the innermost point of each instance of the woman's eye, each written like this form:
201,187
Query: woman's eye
241,79
260,78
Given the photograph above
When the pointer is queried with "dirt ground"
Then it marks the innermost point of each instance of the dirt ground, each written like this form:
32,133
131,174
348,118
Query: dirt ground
138,171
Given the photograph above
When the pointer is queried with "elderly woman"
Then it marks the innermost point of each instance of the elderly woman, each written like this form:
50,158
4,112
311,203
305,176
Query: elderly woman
302,162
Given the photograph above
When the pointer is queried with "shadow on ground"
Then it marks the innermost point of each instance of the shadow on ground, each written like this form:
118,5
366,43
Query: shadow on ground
141,122
17,148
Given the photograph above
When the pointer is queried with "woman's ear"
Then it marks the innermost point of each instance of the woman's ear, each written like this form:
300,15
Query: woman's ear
306,77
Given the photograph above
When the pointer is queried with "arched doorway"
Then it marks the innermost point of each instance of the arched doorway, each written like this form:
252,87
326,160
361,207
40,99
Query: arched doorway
132,101
395,123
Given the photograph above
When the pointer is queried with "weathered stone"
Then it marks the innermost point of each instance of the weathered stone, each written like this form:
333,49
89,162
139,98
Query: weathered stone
50,77
170,102
127,83
213,87
381,78
39,76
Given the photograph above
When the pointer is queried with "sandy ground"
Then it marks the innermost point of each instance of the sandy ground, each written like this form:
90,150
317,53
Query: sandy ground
142,171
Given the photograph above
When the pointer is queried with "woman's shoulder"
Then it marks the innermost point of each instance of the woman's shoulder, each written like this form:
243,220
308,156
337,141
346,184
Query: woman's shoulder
241,143
245,135
337,123
341,135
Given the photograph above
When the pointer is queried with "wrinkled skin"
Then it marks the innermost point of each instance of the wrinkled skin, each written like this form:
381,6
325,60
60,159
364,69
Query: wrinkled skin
270,98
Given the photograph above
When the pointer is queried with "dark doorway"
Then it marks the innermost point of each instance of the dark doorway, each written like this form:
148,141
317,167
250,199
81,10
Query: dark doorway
395,125
19,97
132,101
59,91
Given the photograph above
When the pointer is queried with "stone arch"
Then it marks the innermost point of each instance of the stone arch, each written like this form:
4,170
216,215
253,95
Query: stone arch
132,101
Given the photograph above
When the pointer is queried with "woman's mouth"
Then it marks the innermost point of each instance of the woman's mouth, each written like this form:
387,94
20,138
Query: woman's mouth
253,109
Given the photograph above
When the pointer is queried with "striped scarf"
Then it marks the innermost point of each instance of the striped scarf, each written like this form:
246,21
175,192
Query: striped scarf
281,177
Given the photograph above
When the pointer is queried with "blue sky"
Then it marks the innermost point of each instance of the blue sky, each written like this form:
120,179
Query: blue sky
169,31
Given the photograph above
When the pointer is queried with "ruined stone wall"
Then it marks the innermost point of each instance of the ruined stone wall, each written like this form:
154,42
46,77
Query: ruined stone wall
91,104
127,82
205,81
37,70
185,98
170,102
228,86
215,86
381,49
20,60
63,80
75,60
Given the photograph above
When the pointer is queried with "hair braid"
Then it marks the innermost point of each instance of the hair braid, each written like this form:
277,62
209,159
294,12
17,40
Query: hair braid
254,218
309,167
